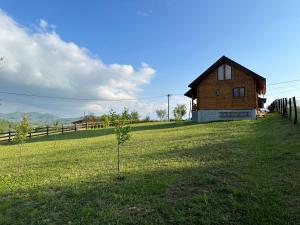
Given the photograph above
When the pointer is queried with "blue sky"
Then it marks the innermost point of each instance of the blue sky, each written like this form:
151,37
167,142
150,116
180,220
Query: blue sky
178,39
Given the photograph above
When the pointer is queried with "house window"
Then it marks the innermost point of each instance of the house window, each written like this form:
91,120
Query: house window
221,72
218,92
242,91
227,72
239,92
224,72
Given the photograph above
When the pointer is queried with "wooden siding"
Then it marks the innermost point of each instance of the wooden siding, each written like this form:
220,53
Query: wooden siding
206,91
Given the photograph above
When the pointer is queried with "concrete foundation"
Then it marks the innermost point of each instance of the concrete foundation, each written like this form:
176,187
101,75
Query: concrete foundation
202,116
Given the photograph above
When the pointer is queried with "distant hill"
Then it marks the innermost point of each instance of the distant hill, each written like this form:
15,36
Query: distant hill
35,117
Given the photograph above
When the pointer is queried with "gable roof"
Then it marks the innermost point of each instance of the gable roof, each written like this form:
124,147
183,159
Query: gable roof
220,61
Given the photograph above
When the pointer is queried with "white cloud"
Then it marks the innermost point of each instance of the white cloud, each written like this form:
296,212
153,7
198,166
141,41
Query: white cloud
43,24
41,62
145,13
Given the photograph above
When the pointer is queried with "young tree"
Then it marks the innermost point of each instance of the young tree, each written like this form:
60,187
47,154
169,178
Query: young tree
134,116
179,111
22,131
56,127
1,61
126,114
147,119
106,120
161,114
122,129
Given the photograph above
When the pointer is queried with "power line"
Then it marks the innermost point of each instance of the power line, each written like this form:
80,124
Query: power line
284,82
284,87
77,99
290,90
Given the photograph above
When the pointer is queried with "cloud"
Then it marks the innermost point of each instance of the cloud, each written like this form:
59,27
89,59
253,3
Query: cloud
43,24
41,62
145,13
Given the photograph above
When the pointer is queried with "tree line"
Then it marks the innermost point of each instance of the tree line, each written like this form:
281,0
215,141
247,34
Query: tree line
178,112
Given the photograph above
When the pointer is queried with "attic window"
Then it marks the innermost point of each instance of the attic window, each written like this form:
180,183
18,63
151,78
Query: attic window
224,72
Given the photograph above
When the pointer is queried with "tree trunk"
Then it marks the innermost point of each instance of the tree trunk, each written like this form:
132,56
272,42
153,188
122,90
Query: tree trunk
20,155
118,160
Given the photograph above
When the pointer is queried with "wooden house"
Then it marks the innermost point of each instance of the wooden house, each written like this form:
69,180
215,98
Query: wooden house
226,91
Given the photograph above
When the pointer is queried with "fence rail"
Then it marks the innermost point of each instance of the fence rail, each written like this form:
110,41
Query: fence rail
287,107
48,130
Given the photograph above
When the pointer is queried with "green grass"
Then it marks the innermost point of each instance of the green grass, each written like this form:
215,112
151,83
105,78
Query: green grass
240,172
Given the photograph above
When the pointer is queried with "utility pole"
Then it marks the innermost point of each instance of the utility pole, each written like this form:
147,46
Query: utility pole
168,106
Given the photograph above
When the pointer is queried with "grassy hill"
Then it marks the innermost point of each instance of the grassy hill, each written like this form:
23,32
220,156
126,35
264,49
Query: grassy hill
241,172
35,118
5,125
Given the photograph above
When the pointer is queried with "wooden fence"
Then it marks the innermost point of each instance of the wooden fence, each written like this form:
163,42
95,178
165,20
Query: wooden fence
287,107
48,130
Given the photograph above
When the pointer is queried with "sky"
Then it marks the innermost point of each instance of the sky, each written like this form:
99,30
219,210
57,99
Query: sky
138,49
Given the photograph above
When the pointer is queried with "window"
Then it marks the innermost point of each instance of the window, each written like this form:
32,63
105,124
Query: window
221,72
239,92
218,92
224,72
227,72
242,91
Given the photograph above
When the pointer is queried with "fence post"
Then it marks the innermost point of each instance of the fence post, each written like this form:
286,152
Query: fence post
86,125
30,135
47,130
279,106
290,108
286,107
295,108
75,127
62,128
9,136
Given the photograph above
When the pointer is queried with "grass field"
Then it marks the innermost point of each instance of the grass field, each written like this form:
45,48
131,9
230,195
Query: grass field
241,172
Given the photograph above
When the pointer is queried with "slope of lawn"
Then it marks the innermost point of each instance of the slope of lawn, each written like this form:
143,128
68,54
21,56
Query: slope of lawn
240,172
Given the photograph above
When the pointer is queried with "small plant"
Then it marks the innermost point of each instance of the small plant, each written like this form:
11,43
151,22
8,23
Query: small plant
179,112
161,114
22,131
122,130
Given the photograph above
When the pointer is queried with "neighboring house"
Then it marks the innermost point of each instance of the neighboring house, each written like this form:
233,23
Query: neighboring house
226,91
